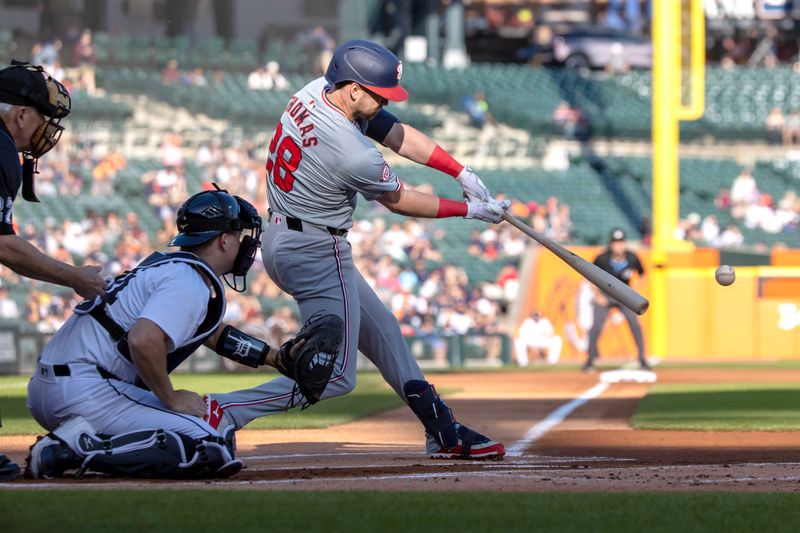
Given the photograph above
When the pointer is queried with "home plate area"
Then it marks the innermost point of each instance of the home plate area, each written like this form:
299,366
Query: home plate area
563,431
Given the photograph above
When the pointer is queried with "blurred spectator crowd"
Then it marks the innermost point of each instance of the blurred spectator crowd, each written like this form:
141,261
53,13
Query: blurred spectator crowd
747,206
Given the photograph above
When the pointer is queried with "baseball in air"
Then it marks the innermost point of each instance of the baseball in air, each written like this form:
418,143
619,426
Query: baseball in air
725,275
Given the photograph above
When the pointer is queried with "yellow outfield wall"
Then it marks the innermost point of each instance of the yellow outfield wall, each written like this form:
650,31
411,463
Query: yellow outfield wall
758,317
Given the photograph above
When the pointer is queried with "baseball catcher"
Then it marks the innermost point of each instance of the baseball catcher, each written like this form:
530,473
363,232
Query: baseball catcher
102,385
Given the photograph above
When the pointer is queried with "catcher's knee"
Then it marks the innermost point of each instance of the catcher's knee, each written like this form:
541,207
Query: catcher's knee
434,414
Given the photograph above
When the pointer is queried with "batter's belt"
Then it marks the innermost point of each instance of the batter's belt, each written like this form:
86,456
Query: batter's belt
295,224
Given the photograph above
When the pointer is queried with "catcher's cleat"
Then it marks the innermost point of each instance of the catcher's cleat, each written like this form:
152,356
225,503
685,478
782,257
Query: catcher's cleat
471,446
49,458
231,468
8,471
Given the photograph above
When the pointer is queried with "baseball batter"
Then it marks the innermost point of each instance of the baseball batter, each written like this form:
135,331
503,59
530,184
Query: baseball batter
320,158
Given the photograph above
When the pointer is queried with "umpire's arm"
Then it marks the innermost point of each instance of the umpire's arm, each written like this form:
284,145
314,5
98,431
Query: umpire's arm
148,345
26,260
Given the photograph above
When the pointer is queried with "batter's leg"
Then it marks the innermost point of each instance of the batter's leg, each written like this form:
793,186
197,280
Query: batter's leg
321,277
381,341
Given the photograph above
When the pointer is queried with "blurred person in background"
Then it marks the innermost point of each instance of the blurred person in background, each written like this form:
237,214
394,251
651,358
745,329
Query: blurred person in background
744,193
275,80
8,307
258,80
477,109
621,263
171,75
774,125
536,333
319,47
791,128
84,59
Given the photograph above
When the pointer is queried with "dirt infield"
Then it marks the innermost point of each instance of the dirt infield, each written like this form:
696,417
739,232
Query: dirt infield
593,449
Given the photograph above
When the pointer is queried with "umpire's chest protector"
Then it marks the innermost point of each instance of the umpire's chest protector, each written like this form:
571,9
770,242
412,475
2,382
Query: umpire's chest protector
216,307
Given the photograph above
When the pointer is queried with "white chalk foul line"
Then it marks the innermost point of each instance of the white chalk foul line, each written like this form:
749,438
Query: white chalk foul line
553,419
335,454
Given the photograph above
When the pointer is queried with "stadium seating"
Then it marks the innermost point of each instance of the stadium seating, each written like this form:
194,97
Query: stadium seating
700,182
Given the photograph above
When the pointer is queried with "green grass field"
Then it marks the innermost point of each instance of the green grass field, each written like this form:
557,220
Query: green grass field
371,395
722,407
234,510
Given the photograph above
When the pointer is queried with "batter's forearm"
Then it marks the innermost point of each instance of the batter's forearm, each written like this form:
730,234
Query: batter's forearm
419,204
26,260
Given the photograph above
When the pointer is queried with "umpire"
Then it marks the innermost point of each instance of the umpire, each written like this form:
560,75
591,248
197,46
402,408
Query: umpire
32,105
621,263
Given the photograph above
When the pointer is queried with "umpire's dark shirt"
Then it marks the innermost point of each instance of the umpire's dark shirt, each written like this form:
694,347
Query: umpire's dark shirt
622,269
10,179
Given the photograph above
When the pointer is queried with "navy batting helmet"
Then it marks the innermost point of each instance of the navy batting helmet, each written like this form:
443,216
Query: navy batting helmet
207,214
368,64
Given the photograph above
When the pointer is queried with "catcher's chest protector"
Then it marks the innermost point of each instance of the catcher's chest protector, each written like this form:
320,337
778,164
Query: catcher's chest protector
216,306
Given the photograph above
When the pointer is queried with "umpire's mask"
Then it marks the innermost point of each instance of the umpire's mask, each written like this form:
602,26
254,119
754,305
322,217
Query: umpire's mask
209,213
29,85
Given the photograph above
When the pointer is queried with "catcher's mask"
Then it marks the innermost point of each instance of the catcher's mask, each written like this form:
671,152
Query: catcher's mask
210,213
29,85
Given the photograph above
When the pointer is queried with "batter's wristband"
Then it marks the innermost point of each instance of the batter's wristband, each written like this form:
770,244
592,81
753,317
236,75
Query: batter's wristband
450,208
444,162
238,346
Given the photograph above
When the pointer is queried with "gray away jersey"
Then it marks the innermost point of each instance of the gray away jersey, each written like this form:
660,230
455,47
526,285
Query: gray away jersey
318,160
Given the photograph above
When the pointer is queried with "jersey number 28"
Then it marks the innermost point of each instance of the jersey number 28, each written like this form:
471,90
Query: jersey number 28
287,159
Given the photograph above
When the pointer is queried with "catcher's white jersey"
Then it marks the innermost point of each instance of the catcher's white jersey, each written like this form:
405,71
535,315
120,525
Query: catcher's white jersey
174,296
319,160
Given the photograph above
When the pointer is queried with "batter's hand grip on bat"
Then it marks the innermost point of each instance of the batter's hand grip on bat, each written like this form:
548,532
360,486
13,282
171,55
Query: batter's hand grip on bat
599,277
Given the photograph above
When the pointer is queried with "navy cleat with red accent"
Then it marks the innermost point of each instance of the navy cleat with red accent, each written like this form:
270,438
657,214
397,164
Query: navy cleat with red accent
471,446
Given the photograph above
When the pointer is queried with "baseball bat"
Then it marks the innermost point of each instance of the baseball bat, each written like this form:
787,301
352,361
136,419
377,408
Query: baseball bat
599,277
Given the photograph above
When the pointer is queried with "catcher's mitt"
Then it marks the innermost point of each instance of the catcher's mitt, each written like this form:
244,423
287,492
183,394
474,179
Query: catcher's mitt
312,366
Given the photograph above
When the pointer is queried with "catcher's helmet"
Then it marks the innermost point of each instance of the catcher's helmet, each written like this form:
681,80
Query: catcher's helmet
207,214
368,64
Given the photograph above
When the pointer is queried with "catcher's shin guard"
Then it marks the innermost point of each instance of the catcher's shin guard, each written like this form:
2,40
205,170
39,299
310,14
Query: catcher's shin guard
432,412
154,454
